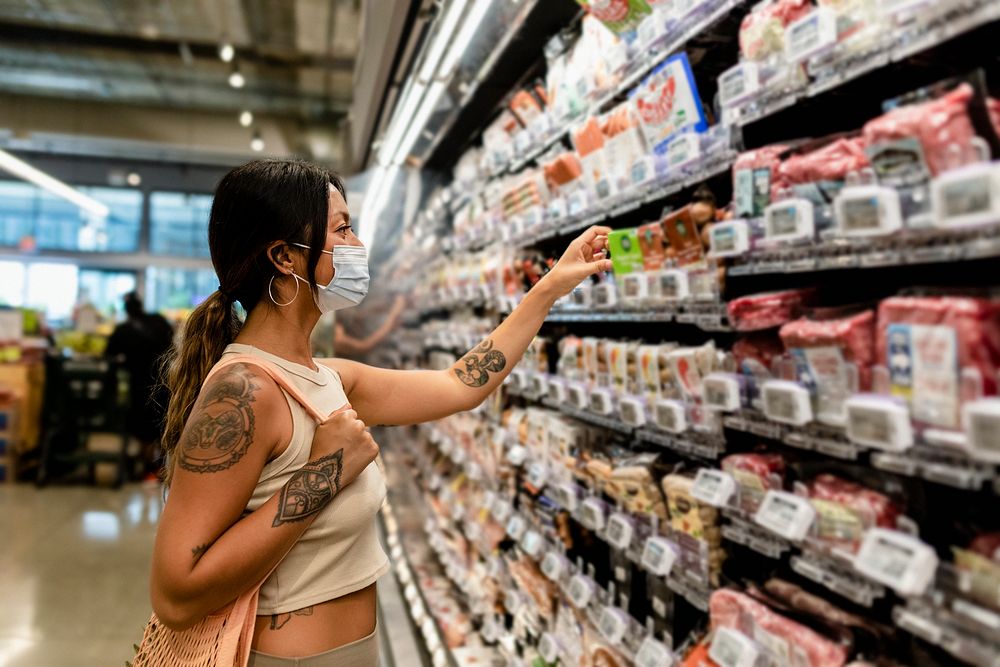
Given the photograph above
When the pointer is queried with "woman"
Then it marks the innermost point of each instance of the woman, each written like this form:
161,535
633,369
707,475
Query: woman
252,478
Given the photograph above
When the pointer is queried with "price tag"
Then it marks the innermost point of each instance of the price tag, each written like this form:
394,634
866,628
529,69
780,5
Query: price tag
729,239
635,288
786,514
567,495
674,284
557,209
879,421
738,84
581,591
516,455
549,648
592,514
602,402
789,220
490,632
518,381
721,391
620,531
539,384
457,511
787,402
713,487
605,295
474,471
500,510
577,202
967,196
446,445
604,188
899,561
554,565
982,428
579,397
516,526
613,624
532,544
538,474
732,649
868,210
557,391
658,556
653,654
643,171
458,456
434,483
632,410
684,150
811,35
473,531
670,415
512,600
522,142
652,28
582,296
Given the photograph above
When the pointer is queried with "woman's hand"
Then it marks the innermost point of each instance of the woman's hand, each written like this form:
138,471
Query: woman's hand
584,257
343,445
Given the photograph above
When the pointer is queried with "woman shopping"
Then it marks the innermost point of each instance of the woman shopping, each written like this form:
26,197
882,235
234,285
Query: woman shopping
271,468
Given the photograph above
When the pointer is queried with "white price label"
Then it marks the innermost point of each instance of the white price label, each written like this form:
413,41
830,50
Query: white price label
592,514
581,591
671,416
643,171
516,527
732,649
605,295
446,445
738,83
554,565
518,380
658,556
532,543
683,150
500,510
568,496
557,391
516,455
539,384
613,624
811,35
879,421
713,487
602,402
967,196
538,474
982,428
721,391
458,456
579,397
868,210
577,202
548,648
635,288
557,208
897,560
632,411
674,284
790,220
729,239
786,514
787,402
620,531
653,654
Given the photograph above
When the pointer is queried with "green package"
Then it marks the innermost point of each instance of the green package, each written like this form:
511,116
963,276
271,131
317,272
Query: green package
620,16
626,254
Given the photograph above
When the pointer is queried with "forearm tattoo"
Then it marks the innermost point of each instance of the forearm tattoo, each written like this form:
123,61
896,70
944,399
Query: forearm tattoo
220,429
310,489
479,363
279,621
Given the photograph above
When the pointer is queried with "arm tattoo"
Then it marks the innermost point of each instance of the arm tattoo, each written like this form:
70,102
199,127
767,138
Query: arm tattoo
310,489
198,552
279,621
220,430
478,364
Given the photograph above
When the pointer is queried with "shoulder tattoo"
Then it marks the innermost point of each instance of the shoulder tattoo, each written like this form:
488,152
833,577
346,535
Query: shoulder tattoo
221,428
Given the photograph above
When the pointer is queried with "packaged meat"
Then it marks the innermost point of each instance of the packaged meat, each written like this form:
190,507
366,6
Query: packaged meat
980,565
694,527
755,475
762,32
667,102
913,139
561,171
684,244
768,309
939,351
620,16
845,510
526,107
652,246
624,143
832,162
789,643
756,174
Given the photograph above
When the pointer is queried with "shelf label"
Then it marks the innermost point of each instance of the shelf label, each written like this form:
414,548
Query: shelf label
516,455
602,402
557,208
899,561
581,591
786,514
554,565
671,415
683,150
577,202
518,380
811,35
539,384
632,411
605,295
868,210
643,170
738,83
653,653
532,543
516,527
592,514
548,648
879,421
557,391
538,474
721,391
713,487
500,510
787,402
658,556
613,624
982,428
967,196
620,530
789,220
732,649
579,397
674,284
567,495
729,239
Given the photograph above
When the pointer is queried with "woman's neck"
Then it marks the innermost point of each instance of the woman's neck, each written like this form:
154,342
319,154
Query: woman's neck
283,333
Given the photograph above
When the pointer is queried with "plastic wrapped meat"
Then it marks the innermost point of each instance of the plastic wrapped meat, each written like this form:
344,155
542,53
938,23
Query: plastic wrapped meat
767,310
762,32
936,125
790,642
830,163
853,336
756,474
756,175
939,352
845,510
756,352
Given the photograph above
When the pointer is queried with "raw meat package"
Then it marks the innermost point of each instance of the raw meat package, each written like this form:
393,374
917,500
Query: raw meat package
787,641
624,142
563,170
902,141
939,350
980,567
767,310
845,510
526,107
762,32
755,475
830,163
756,352
620,16
667,102
756,174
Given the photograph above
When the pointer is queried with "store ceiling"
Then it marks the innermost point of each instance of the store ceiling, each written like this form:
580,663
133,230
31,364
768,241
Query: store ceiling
297,55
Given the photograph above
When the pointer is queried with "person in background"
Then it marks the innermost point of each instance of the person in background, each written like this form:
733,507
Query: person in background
355,347
138,344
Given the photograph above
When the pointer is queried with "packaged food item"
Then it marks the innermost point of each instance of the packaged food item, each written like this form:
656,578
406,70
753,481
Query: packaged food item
626,252
831,162
652,246
684,244
755,475
695,527
845,510
589,143
686,366
563,170
980,565
762,32
756,175
526,107
618,365
667,102
767,310
624,143
939,351
620,16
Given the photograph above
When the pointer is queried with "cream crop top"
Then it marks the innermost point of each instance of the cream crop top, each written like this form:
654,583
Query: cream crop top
340,551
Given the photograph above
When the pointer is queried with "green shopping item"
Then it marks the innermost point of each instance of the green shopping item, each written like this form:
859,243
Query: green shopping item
626,253
620,16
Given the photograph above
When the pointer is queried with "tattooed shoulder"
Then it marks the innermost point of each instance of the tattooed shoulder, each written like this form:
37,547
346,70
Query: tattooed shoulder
479,363
221,426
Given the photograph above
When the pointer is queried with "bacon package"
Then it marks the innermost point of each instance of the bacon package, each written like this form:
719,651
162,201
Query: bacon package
762,32
755,475
667,102
790,642
939,351
756,174
620,16
845,510
767,310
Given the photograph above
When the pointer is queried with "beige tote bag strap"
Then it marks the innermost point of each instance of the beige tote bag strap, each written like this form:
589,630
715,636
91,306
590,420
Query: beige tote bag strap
275,375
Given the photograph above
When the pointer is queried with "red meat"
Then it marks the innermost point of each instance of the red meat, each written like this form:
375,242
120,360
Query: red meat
870,507
738,611
757,351
854,336
767,310
756,474
768,157
987,545
830,163
937,124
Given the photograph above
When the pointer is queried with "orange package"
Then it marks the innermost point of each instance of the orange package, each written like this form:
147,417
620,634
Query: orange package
588,137
564,169
525,107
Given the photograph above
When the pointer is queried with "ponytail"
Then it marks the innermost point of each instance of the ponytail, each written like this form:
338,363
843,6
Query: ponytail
209,329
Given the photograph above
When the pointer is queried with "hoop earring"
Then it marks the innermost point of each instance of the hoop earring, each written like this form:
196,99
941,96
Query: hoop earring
271,294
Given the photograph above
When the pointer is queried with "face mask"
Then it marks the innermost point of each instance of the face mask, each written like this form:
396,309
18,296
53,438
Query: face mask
350,278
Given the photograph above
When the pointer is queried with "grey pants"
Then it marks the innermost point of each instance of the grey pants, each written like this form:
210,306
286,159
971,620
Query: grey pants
360,653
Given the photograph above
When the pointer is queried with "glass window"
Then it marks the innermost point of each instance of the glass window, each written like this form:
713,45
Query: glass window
105,289
18,205
53,288
178,288
179,224
11,284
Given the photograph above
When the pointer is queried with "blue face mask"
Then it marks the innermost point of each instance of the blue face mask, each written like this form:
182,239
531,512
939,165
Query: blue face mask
350,278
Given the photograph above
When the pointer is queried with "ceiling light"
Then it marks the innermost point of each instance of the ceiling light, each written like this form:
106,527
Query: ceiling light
134,179
441,38
236,79
24,170
226,52
246,118
256,144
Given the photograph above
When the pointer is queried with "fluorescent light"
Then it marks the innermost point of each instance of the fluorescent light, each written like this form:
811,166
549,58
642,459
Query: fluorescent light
246,118
375,201
458,45
441,38
22,169
226,52
419,121
400,120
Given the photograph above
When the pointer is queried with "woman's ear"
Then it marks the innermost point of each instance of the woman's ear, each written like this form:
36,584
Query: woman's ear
280,255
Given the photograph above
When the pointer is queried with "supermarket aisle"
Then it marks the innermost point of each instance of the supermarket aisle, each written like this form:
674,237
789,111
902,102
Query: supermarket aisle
73,574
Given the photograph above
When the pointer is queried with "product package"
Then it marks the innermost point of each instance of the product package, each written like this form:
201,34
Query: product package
755,475
667,102
684,243
767,310
695,528
845,510
756,175
762,32
620,16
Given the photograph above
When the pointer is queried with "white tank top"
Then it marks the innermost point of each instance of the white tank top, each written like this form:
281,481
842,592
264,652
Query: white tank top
340,551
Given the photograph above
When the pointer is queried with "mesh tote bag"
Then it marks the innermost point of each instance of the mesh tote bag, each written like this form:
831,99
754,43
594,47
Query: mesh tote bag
221,639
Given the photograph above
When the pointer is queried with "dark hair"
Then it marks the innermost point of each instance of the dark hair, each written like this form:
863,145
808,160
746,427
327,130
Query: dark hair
133,305
256,204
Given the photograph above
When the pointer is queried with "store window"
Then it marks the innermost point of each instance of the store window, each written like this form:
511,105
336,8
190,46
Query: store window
178,289
179,224
12,278
57,224
53,288
105,289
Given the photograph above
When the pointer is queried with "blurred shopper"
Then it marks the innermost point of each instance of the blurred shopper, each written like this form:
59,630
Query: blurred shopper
139,344
258,490
356,346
